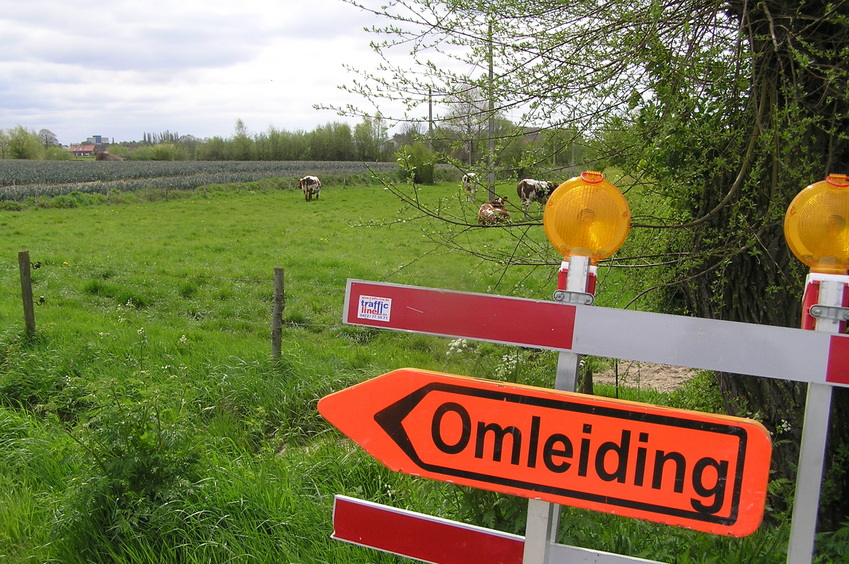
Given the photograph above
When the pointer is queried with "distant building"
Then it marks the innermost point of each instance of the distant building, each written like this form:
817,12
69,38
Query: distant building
95,140
83,150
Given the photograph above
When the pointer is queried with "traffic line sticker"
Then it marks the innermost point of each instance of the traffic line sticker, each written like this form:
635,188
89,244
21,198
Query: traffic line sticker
701,471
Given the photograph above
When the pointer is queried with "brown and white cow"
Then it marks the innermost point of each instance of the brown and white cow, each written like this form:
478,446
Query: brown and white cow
530,190
311,186
493,212
470,185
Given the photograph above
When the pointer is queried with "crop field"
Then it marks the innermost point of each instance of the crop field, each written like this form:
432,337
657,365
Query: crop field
146,419
21,179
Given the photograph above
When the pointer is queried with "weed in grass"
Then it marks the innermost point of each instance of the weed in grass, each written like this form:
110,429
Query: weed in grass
31,461
117,292
492,510
30,375
834,546
700,393
142,463
188,289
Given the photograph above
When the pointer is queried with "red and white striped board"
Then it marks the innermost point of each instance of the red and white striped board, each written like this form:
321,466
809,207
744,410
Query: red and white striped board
419,536
706,344
442,541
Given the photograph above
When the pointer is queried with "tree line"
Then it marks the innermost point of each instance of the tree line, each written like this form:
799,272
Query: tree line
454,140
366,141
21,143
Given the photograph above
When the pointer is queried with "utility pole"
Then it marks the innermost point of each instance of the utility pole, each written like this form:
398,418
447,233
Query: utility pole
490,156
430,118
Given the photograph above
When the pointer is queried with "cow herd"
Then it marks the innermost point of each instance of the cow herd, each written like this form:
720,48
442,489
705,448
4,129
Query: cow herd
489,213
494,211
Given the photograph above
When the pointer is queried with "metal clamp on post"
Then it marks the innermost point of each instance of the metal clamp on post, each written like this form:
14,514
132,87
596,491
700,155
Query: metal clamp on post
573,298
835,312
829,312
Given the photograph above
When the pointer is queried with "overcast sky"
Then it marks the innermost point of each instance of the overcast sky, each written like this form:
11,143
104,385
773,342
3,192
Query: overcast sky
126,67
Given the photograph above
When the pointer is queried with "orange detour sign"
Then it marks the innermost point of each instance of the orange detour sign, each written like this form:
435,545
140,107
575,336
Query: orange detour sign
690,469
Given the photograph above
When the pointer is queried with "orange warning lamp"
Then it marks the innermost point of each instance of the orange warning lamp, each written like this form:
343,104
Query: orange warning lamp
816,225
587,216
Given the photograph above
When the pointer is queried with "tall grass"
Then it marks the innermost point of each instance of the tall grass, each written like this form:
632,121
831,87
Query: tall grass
147,420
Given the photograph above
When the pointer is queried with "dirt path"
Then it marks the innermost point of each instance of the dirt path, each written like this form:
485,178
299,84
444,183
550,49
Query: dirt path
633,374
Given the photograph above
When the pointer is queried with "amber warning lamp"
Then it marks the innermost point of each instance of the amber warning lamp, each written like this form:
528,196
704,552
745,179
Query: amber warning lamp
816,225
816,231
587,216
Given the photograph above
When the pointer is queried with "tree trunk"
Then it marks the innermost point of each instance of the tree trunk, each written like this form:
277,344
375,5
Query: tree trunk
799,113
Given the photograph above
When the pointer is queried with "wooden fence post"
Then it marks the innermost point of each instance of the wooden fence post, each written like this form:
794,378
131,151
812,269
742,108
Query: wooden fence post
277,313
26,292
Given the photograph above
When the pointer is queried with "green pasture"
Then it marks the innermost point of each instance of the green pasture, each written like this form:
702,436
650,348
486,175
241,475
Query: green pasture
146,420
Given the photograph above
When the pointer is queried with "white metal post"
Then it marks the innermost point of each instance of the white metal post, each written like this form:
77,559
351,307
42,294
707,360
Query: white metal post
544,517
814,434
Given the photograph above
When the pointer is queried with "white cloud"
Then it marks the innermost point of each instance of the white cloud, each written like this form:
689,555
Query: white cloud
123,68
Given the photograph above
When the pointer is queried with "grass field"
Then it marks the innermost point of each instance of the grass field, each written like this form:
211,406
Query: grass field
147,422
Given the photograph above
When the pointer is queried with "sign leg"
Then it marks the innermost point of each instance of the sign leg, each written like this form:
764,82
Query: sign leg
567,372
803,526
540,531
544,517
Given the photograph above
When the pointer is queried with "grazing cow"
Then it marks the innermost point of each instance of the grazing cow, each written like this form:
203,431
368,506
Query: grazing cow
493,212
311,186
530,190
470,185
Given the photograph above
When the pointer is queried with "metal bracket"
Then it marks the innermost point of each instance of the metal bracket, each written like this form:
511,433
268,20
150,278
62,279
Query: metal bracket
573,298
829,312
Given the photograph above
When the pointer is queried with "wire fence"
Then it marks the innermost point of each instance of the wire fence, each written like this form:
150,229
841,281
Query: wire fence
130,282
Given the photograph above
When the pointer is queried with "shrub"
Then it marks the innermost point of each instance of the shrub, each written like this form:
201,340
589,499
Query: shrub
144,465
59,154
417,163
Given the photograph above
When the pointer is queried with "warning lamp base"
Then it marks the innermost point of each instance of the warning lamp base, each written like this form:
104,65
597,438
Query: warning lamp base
563,275
812,309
